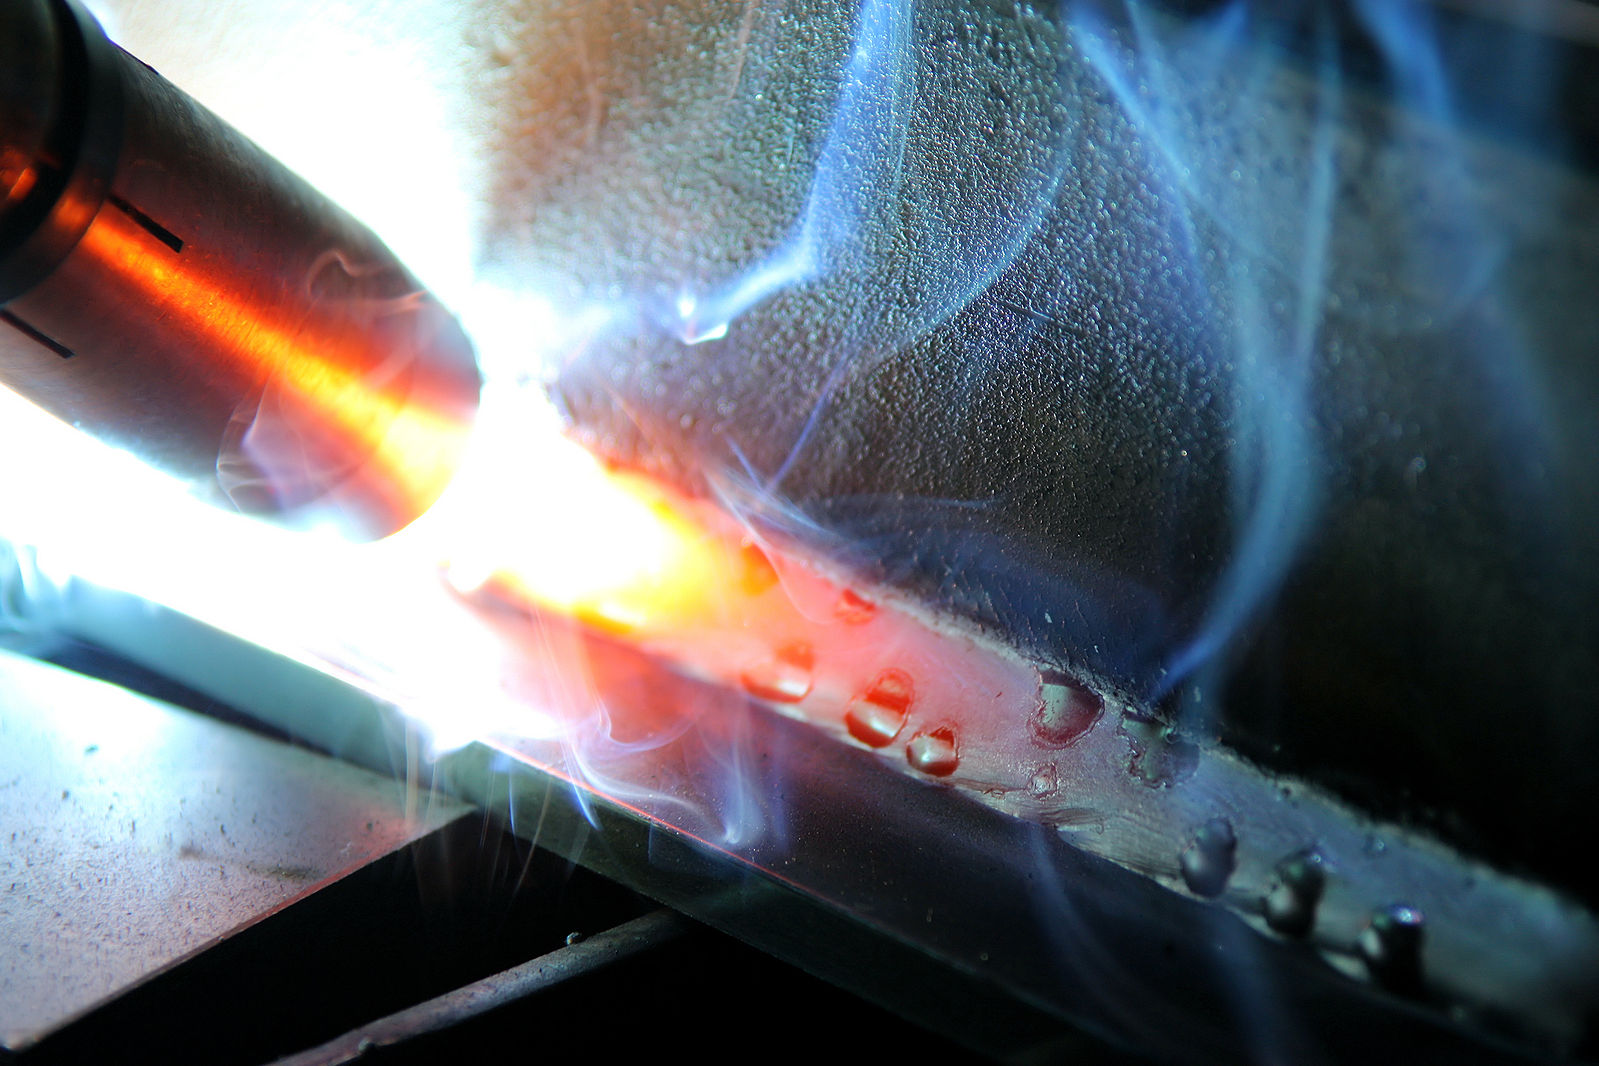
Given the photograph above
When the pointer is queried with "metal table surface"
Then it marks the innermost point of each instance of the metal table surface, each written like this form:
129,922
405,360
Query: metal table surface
136,834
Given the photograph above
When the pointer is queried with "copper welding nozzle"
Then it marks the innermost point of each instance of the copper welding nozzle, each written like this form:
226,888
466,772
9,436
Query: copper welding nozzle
170,288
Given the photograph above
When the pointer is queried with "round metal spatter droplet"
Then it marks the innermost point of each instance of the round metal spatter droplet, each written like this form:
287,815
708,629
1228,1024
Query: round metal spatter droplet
854,609
1208,860
1159,756
876,716
934,753
758,572
1294,893
786,677
1067,709
1391,947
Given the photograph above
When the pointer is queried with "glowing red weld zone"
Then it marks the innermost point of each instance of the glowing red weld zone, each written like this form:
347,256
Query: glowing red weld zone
686,643
753,618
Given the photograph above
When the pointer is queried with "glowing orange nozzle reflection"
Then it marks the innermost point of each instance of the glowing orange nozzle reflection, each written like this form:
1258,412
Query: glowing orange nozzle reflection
341,401
184,297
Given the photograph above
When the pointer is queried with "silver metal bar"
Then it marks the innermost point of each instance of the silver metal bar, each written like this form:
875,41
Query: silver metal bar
480,997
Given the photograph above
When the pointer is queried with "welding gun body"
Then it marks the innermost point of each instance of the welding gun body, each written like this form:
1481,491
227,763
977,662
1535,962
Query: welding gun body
169,287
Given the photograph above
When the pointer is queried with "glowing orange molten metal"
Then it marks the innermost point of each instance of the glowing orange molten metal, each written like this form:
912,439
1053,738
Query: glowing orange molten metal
682,581
611,549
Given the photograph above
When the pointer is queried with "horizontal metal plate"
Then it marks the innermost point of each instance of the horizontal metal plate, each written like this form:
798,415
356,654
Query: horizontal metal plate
134,834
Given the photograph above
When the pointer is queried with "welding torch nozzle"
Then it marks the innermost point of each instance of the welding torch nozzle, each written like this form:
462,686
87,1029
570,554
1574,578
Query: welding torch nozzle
175,291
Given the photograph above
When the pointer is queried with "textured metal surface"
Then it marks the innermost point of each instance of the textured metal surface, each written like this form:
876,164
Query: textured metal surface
1094,383
134,834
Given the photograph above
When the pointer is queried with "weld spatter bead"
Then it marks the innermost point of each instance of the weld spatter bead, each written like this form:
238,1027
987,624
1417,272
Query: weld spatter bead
758,574
874,726
1391,947
854,609
1294,894
934,753
893,689
1067,709
786,677
1159,756
877,715
1209,859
